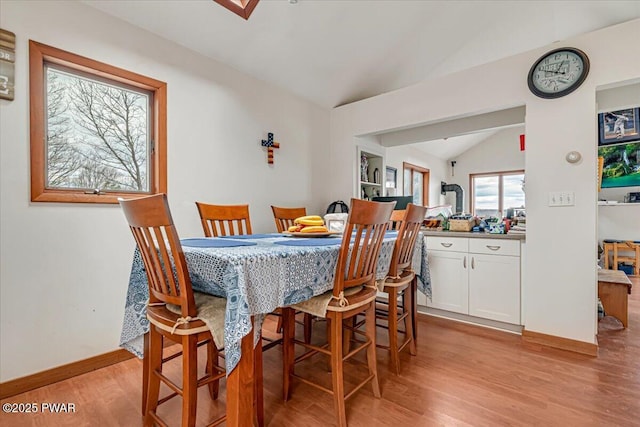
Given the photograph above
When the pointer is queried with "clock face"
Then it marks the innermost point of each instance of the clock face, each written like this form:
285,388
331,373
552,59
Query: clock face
558,73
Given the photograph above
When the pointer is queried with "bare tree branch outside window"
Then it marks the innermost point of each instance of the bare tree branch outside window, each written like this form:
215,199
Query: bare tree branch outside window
97,134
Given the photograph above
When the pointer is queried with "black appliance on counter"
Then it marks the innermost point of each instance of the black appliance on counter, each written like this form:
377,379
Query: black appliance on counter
401,201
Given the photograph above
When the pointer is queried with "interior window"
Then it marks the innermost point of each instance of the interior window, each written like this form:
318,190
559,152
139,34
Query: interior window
97,131
416,183
494,193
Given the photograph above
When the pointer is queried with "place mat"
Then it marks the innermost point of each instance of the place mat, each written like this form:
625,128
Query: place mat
251,236
316,241
213,242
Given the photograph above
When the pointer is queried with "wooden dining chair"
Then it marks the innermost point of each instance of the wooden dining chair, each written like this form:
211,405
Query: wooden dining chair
354,292
231,220
173,312
284,217
224,220
401,281
396,218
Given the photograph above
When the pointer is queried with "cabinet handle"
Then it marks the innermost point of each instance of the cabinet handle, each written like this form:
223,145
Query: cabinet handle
493,248
446,245
464,262
473,262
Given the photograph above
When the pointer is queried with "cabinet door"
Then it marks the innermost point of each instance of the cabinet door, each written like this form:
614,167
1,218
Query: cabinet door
494,287
449,281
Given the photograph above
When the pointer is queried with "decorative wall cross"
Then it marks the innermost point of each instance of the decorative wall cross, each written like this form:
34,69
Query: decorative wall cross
270,144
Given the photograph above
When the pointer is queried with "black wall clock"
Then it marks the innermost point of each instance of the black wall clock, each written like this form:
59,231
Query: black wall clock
558,73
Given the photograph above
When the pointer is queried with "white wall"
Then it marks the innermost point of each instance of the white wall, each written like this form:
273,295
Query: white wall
561,242
64,268
500,152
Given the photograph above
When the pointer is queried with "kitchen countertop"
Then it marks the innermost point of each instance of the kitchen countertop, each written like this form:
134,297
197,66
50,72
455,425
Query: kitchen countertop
428,232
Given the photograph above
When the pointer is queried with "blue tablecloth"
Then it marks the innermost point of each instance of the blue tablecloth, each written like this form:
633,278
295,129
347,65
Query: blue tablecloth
256,280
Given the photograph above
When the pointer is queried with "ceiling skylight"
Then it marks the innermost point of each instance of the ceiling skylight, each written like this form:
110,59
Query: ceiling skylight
241,8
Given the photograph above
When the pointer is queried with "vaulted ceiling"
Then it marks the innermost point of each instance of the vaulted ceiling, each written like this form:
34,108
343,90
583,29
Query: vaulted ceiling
333,52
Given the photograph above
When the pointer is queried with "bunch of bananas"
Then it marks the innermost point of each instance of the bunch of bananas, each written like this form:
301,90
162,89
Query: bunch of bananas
308,224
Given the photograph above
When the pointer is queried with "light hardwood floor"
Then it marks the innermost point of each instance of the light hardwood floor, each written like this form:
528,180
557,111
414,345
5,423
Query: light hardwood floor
463,376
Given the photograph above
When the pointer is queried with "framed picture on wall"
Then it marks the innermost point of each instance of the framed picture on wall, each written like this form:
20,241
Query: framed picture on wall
621,165
619,126
391,181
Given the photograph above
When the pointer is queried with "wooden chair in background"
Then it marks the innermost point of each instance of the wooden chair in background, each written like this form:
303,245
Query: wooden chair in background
354,292
284,216
172,305
224,220
401,281
630,254
231,220
396,218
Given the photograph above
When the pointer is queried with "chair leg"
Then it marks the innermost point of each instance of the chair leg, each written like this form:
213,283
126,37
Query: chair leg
145,373
279,324
212,360
308,326
394,355
155,365
370,325
328,335
347,334
414,308
258,387
288,350
189,380
337,375
408,320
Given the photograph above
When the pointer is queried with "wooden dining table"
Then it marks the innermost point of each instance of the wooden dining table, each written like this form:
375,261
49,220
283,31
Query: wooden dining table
256,274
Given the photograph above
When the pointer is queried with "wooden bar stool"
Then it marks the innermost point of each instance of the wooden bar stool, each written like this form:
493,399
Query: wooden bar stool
627,247
607,247
175,312
224,220
284,218
354,292
401,282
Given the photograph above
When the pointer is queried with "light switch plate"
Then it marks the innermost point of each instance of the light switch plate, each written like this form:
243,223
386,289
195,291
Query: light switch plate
561,198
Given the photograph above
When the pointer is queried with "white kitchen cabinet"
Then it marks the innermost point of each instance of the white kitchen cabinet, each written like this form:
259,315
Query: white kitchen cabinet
449,281
479,277
494,287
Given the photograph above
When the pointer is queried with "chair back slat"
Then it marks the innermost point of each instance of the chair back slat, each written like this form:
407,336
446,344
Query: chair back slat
357,261
284,217
152,227
406,241
224,220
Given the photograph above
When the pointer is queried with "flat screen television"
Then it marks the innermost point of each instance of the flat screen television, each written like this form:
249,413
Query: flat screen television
621,167
401,201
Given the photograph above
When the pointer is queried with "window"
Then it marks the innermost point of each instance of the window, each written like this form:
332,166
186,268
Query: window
416,183
493,193
97,132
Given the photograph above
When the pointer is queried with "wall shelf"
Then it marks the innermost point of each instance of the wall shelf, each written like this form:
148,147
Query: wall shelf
372,165
618,204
